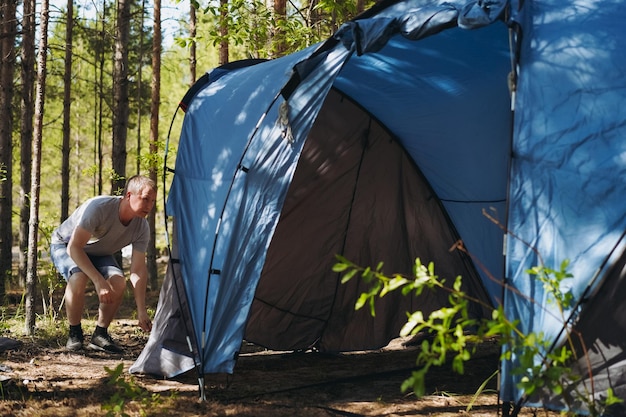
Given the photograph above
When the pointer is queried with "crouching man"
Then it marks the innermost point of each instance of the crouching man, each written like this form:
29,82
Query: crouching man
83,249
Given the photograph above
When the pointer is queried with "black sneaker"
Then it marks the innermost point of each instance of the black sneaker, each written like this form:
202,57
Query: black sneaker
104,343
74,341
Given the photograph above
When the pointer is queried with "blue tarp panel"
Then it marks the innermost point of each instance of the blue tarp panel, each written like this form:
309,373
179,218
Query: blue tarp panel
568,177
446,99
223,220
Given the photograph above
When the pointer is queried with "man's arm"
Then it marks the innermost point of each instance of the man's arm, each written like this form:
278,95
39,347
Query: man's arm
139,280
76,250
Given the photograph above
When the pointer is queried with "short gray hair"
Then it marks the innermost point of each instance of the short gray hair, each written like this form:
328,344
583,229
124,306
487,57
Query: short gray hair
137,183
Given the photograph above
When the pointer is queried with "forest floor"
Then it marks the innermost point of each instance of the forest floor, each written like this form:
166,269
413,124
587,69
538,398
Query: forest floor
40,378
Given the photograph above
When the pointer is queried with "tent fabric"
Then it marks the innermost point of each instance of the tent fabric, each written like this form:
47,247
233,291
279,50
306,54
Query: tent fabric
463,125
340,202
419,124
567,128
247,177
169,351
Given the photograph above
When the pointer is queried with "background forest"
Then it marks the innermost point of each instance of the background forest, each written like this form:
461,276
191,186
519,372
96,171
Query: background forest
89,90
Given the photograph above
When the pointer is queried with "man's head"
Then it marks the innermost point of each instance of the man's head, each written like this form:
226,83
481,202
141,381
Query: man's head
141,194
137,183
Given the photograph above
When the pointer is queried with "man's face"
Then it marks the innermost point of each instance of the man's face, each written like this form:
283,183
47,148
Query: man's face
142,202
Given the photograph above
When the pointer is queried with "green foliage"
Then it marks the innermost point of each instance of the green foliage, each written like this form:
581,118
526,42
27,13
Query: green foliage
552,280
49,277
340,9
454,334
153,161
126,391
50,281
254,26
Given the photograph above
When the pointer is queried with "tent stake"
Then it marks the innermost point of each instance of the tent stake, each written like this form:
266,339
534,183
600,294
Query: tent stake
201,388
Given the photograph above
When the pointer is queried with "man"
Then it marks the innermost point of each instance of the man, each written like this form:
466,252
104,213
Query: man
83,249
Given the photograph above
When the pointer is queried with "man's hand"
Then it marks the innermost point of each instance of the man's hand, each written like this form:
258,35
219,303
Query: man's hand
139,280
104,291
144,321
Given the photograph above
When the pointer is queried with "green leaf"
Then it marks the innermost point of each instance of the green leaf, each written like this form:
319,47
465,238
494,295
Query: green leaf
361,301
415,319
458,284
348,276
611,399
340,267
394,284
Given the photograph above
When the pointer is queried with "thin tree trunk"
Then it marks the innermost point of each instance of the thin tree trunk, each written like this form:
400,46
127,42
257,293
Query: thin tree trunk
154,135
26,130
99,154
67,88
120,96
139,85
7,70
223,51
360,6
280,15
316,17
192,47
31,276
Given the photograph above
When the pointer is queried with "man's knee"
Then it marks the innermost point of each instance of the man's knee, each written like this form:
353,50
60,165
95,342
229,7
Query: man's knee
118,283
77,281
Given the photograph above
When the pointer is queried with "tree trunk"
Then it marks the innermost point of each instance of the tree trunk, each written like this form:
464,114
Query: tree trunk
98,155
192,47
67,101
154,136
31,275
223,53
26,130
7,71
360,6
120,96
139,85
280,15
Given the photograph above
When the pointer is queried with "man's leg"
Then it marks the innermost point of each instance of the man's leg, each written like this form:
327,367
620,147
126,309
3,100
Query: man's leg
75,297
74,306
100,340
107,312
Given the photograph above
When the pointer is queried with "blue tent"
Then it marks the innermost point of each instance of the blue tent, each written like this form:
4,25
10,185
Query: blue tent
418,125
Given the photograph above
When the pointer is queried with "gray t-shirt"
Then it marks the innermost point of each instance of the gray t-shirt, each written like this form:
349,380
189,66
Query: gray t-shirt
100,216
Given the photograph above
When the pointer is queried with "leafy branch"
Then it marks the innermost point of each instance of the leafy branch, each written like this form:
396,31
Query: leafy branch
455,334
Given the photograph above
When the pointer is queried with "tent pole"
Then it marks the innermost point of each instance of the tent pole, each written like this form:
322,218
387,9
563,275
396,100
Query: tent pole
515,43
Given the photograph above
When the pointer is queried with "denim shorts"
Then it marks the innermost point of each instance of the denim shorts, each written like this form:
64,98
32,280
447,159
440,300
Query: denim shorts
107,265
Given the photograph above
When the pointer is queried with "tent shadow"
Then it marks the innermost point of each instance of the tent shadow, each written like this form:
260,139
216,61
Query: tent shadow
340,377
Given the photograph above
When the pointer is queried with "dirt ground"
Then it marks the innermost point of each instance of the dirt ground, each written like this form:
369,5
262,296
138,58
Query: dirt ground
40,378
